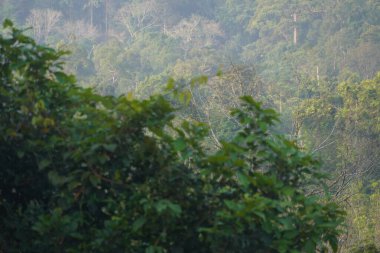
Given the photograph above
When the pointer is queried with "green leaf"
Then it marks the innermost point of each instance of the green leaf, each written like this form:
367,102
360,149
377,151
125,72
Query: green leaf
110,147
139,223
20,154
7,23
150,249
166,205
243,179
309,246
177,210
94,180
334,244
55,178
43,164
179,145
161,206
287,222
260,214
231,205
170,84
288,191
63,77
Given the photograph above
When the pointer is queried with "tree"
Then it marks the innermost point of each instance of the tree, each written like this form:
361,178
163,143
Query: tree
91,4
43,22
212,103
79,30
139,17
340,122
195,33
86,173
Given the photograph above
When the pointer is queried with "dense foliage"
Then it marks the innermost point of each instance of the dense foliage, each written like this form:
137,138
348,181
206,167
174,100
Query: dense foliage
313,61
119,45
82,172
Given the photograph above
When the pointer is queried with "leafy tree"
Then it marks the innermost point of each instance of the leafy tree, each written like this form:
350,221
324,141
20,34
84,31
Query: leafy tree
43,22
364,217
342,120
138,17
91,4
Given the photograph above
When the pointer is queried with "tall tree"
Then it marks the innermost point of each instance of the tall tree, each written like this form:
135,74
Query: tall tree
139,17
91,5
43,22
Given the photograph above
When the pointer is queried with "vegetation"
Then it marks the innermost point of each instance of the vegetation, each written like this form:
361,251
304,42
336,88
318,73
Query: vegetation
315,62
87,173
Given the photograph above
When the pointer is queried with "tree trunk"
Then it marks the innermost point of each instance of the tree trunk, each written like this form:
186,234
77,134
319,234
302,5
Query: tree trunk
106,16
91,15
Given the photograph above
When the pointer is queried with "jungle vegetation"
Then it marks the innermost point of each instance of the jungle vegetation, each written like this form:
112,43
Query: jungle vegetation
156,133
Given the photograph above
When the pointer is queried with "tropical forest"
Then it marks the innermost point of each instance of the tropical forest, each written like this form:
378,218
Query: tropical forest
189,126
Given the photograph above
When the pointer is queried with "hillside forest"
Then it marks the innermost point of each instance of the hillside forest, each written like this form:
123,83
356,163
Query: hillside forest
176,69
